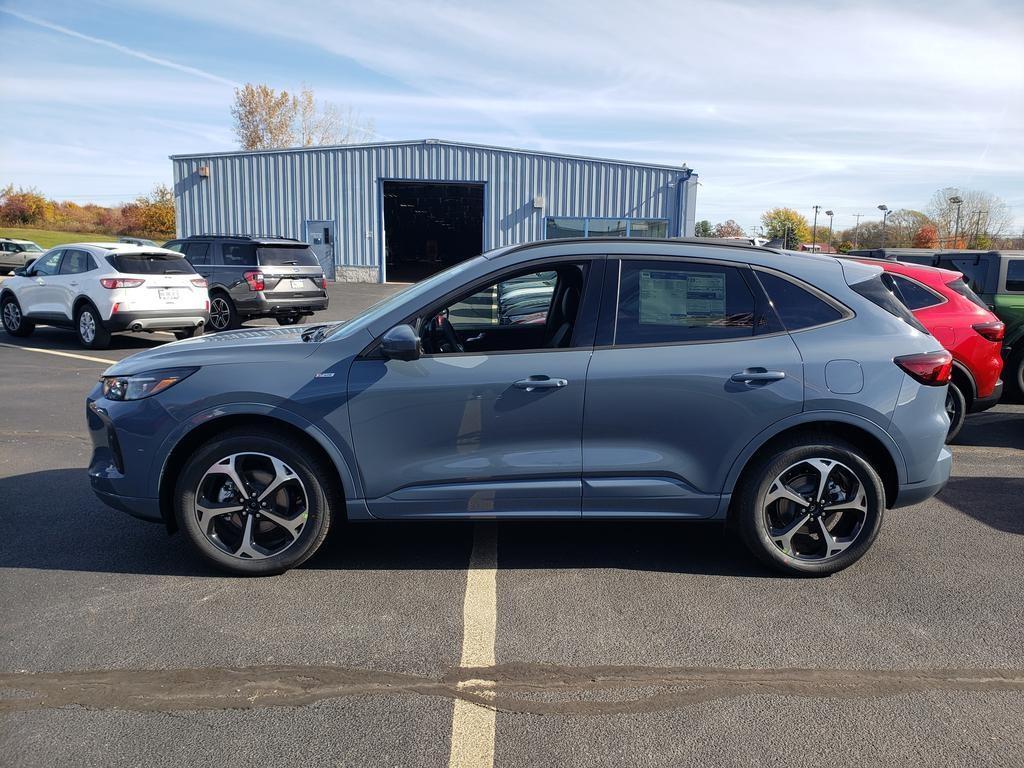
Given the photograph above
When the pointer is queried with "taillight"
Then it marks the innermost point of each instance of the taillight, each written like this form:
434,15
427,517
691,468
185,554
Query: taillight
255,281
199,282
930,368
323,282
121,282
994,331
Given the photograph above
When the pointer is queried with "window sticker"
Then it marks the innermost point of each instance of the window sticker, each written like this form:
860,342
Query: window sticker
681,298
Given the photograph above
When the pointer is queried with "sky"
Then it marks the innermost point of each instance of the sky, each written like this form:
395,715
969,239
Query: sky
793,103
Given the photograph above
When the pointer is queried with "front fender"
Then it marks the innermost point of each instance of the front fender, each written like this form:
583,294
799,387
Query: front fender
802,419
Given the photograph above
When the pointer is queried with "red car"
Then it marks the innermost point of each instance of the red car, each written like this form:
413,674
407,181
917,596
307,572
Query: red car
961,322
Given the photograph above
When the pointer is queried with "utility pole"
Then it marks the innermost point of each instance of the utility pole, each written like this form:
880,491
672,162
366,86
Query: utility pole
885,215
856,231
814,229
977,226
957,201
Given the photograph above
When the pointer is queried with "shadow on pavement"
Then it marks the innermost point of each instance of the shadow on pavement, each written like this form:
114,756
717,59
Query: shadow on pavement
994,501
52,521
1002,428
63,340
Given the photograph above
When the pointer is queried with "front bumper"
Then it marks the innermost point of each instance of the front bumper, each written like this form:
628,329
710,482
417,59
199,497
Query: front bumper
915,493
984,403
157,319
144,509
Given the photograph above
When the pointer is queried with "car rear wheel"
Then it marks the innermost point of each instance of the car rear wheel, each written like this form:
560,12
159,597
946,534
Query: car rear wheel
810,508
1013,373
15,322
223,315
91,332
254,503
287,319
956,409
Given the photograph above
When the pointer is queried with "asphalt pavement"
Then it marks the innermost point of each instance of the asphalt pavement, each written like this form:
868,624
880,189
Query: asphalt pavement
649,644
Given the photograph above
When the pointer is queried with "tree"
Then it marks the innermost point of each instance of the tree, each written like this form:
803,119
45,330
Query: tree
902,225
926,237
24,207
982,214
728,229
786,224
150,215
702,228
265,119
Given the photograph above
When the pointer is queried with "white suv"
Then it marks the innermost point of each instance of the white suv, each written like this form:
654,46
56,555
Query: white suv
99,288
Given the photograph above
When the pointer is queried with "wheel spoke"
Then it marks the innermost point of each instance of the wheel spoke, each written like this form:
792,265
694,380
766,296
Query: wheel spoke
282,474
293,526
206,514
780,490
833,546
228,467
824,469
248,547
784,536
859,502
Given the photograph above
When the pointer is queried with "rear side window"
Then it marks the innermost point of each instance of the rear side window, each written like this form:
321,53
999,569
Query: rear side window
286,257
797,307
1015,275
664,302
877,290
150,264
76,262
238,254
913,295
964,290
197,253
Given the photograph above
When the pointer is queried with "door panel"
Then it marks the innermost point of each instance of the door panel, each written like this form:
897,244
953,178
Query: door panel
452,435
42,295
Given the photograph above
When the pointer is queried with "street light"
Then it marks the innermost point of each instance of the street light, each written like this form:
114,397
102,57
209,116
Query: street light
830,214
814,229
957,201
885,214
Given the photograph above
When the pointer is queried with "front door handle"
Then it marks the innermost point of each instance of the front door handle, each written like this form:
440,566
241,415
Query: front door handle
75,282
541,382
40,281
757,374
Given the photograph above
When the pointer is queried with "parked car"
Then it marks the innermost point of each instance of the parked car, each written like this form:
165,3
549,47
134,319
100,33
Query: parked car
788,394
101,288
997,277
138,241
256,277
15,254
961,322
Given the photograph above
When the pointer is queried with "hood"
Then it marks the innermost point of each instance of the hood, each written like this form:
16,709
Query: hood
265,345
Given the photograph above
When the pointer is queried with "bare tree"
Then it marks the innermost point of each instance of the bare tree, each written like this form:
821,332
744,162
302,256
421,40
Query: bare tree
266,119
984,217
728,228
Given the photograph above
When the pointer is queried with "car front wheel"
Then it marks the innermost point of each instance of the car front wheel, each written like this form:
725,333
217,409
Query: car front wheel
14,321
811,507
254,503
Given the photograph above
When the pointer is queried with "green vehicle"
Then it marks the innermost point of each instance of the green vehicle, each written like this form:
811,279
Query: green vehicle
998,278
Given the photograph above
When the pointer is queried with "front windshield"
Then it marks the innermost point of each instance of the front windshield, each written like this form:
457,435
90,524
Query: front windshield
32,247
387,304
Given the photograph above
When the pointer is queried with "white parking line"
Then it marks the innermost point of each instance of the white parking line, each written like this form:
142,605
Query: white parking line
473,724
61,354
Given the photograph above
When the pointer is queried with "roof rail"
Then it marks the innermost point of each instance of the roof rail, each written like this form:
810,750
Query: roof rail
244,237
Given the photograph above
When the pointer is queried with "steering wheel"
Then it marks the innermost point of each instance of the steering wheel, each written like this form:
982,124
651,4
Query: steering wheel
443,334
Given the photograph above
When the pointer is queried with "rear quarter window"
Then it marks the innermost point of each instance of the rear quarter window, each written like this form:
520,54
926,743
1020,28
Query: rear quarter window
965,290
150,263
797,307
877,290
913,295
286,256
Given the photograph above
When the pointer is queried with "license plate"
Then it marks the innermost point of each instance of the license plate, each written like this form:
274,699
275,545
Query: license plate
167,294
298,284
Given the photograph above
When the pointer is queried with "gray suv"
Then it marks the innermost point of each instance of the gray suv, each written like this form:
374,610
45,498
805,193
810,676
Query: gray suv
789,395
256,277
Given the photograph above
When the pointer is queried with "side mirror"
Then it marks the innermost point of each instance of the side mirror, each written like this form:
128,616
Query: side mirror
21,272
401,343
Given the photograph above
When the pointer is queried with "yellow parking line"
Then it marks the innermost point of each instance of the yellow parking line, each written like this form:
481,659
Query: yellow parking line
61,354
473,724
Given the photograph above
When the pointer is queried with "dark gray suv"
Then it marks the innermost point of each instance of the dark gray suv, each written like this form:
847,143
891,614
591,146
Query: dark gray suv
256,277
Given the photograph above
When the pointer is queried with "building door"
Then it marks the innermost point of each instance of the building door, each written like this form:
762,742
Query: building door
320,236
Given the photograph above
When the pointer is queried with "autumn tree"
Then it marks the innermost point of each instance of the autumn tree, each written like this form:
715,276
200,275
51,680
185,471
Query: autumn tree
702,228
264,118
149,215
983,217
926,237
728,228
787,225
23,207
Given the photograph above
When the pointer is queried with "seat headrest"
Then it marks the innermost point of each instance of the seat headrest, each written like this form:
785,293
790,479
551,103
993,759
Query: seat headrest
570,303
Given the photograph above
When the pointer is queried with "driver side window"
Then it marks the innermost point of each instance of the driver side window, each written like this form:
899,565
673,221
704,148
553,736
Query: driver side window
48,264
534,309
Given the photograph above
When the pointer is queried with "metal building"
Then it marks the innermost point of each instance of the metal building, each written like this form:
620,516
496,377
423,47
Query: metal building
401,210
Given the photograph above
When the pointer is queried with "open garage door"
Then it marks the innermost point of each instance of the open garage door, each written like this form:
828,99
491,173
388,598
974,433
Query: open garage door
430,226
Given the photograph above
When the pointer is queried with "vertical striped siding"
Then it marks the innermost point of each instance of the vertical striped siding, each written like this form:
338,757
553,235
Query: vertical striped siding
276,193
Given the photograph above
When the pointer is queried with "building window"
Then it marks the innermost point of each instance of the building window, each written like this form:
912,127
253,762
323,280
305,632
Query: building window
602,227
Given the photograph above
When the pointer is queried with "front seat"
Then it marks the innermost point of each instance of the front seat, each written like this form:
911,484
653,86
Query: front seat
565,318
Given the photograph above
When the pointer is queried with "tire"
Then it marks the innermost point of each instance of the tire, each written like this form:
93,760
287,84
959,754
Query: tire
189,333
1013,372
852,530
956,408
303,502
223,315
92,334
287,319
14,322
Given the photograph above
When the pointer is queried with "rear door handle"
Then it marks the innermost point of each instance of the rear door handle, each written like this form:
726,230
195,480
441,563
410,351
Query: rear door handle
757,374
541,382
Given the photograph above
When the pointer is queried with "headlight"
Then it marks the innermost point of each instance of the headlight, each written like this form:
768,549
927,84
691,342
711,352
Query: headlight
142,385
